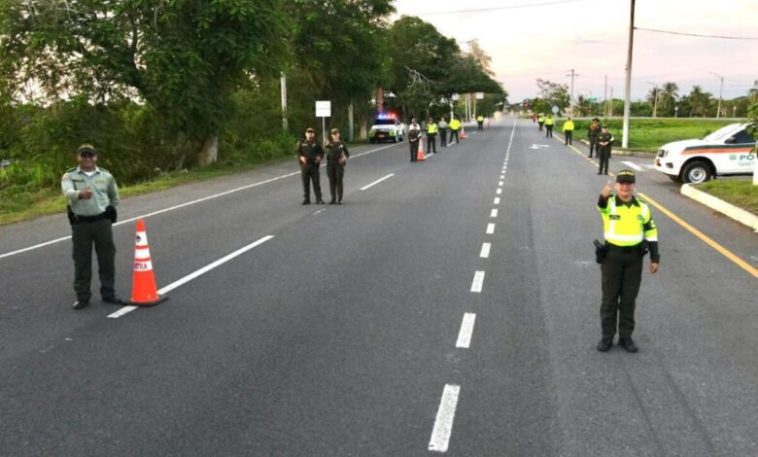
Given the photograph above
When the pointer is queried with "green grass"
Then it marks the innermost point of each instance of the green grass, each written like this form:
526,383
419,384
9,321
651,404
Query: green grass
648,135
739,192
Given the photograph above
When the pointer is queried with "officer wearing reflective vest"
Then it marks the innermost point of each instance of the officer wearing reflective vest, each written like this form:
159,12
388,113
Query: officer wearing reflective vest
629,232
431,135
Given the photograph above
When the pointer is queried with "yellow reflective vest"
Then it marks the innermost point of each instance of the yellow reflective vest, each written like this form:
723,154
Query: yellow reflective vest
431,128
568,126
455,124
549,121
627,224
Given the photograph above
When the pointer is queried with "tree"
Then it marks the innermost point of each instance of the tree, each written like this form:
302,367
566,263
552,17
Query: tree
697,102
554,94
667,99
184,58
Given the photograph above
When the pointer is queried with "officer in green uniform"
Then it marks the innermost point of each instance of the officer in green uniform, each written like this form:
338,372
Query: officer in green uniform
629,232
604,142
92,197
310,153
336,158
431,136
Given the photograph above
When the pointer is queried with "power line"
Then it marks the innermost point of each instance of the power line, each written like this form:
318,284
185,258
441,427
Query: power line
498,8
697,34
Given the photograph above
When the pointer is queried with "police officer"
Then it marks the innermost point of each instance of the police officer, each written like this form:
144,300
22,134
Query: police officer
480,122
593,131
629,232
310,153
414,136
431,135
549,122
92,196
568,131
604,142
442,126
336,158
540,121
455,127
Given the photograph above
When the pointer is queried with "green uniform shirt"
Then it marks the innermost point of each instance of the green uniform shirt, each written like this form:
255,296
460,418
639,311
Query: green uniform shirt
102,185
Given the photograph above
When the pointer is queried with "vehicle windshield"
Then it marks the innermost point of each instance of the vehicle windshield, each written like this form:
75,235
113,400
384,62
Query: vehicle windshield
722,133
384,122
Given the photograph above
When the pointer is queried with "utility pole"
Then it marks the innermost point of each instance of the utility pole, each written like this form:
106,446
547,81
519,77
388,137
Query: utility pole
284,103
628,88
721,90
571,95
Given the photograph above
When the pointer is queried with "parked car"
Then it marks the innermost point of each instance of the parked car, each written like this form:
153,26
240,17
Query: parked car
386,127
727,151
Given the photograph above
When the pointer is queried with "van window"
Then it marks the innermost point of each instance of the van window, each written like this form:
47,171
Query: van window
743,137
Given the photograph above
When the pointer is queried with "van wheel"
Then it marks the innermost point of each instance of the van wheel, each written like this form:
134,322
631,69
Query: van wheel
696,172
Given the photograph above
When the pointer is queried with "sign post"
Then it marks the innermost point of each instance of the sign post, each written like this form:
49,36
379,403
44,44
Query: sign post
323,110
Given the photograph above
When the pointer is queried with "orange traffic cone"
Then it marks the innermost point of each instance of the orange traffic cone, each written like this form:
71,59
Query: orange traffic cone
420,153
144,292
463,132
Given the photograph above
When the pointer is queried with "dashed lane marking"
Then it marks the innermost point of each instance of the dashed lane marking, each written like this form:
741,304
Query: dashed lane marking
478,282
466,331
443,424
485,253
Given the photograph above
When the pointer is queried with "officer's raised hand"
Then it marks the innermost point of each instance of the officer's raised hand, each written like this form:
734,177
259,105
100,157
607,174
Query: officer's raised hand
606,192
85,194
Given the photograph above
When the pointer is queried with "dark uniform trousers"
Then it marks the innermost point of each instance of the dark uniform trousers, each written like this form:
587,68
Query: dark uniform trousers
593,146
431,142
414,148
621,273
310,172
454,133
604,156
336,172
569,134
443,138
549,131
84,235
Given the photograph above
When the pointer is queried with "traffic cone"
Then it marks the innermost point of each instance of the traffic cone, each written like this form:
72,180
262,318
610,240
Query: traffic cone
144,291
463,132
420,153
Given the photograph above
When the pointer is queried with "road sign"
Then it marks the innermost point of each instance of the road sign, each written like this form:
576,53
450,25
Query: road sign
480,95
555,109
323,108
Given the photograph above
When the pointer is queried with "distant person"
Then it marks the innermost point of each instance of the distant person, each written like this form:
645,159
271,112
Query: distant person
629,232
336,158
480,122
414,136
568,131
431,135
593,131
310,153
549,123
604,142
540,121
455,128
92,196
442,126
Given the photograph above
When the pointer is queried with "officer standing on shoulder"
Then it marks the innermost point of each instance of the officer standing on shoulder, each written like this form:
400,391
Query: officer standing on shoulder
414,136
549,122
568,131
92,196
455,127
431,135
336,158
629,232
442,125
593,131
604,142
480,122
541,121
310,153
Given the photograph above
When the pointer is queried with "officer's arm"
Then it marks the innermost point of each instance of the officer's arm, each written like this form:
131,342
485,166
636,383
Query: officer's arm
602,203
68,188
347,153
113,192
651,236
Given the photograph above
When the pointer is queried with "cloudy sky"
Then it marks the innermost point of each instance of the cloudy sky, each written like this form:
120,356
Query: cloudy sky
530,39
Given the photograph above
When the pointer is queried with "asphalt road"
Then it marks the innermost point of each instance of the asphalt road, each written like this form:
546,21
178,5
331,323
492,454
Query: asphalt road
452,306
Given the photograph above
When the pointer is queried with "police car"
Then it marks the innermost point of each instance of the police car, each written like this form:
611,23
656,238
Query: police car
727,151
386,127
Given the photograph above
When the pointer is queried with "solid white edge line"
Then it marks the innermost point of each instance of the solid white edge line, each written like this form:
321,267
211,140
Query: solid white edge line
443,423
486,248
377,181
197,273
182,205
478,282
466,331
490,229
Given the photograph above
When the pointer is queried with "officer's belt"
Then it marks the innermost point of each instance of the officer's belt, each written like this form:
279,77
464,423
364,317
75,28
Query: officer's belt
86,219
625,249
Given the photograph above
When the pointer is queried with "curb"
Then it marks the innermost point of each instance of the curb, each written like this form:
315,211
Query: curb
738,214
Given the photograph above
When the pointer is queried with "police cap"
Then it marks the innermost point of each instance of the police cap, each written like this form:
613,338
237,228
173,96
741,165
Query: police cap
626,176
86,150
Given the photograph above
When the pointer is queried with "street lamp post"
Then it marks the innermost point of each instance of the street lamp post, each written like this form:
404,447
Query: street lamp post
721,90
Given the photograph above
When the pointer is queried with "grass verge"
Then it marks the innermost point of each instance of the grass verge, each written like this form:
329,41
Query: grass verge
738,192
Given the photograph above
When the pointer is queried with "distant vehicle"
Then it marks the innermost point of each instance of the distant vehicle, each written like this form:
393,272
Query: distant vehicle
386,127
727,151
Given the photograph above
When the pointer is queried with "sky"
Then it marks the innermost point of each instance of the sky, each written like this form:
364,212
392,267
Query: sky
530,39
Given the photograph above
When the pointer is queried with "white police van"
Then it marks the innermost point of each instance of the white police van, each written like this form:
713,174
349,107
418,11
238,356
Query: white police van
386,127
727,151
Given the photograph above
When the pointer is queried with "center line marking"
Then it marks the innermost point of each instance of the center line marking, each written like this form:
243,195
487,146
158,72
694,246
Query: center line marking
443,424
493,213
191,276
467,330
500,183
486,247
478,282
377,181
496,201
490,229
499,191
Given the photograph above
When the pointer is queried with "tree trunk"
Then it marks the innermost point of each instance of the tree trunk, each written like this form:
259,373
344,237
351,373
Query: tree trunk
209,152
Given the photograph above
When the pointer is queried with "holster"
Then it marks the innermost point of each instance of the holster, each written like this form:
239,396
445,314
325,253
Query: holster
72,218
601,250
111,213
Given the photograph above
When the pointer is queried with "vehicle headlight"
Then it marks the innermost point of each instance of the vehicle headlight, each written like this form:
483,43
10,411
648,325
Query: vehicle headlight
662,153
392,132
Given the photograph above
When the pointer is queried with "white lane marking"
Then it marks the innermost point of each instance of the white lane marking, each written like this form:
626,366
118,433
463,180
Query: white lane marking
443,424
502,176
466,331
378,181
490,229
493,213
182,205
499,191
632,165
486,247
500,183
496,201
650,166
478,282
197,273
